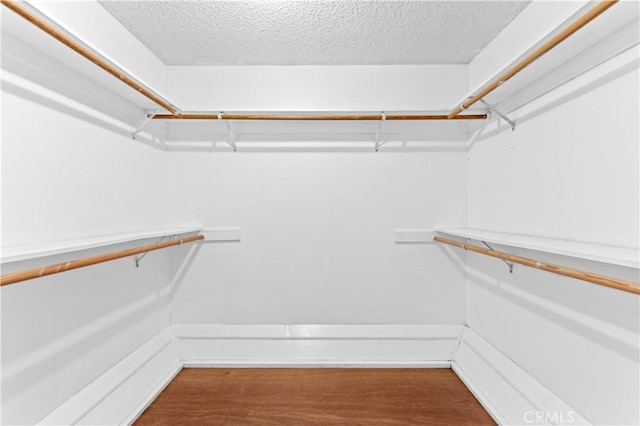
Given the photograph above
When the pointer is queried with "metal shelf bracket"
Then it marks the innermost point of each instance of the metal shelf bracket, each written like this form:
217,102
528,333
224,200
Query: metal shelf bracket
501,115
139,258
509,264
378,144
231,140
142,125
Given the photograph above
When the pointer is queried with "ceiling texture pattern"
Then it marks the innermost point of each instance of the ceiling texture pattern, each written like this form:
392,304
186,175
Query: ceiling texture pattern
191,32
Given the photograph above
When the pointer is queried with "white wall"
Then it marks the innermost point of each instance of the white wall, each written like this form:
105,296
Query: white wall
317,226
318,88
69,170
318,220
569,171
317,237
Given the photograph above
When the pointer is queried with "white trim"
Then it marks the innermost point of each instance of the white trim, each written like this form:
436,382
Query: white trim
152,395
221,363
309,345
504,389
486,403
317,331
122,393
142,374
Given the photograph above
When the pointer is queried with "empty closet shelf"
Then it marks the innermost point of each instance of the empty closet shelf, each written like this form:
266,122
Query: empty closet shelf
26,252
622,256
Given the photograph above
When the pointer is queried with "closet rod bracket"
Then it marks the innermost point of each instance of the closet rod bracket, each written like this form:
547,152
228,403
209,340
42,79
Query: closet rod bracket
382,120
231,140
146,121
509,264
139,258
501,115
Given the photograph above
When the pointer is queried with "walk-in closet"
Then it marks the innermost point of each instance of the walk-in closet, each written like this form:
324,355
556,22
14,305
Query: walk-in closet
349,212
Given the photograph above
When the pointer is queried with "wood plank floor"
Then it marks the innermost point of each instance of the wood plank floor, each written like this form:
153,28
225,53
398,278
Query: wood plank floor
322,396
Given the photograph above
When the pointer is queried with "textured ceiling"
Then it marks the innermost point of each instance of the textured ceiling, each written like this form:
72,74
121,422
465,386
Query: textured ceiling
314,32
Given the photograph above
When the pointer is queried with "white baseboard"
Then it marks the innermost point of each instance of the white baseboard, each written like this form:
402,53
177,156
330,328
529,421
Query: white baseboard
205,345
506,391
121,394
152,395
266,363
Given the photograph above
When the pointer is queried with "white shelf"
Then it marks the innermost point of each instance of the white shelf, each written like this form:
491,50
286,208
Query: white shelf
17,253
598,252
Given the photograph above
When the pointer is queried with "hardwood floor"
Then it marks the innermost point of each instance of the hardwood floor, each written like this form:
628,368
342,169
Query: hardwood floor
322,396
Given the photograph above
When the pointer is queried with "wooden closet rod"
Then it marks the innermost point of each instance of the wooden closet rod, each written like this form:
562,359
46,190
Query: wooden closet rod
618,284
75,44
547,46
29,274
316,117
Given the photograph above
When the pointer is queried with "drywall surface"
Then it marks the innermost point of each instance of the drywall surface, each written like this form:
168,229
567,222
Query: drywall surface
59,333
318,88
70,170
317,241
70,166
568,171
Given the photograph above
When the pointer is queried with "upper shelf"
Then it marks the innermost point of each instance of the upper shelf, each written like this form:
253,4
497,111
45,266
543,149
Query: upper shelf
18,253
615,255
